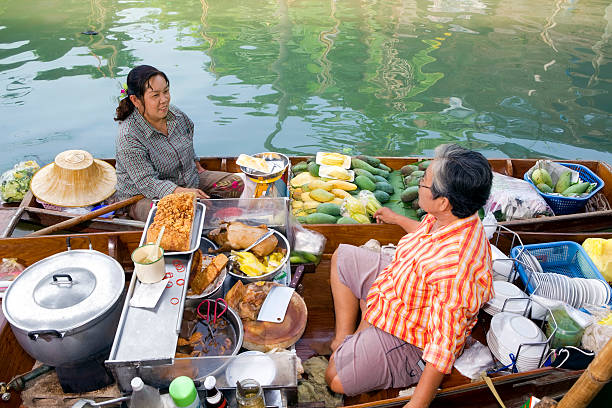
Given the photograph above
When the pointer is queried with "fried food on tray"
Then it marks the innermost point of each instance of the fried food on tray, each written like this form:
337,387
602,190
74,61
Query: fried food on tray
236,235
176,212
206,276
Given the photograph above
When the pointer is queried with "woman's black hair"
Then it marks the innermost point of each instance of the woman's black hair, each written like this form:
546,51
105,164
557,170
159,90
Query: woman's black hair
463,176
137,82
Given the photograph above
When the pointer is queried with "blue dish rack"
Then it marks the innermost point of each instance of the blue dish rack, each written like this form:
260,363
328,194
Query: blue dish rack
563,257
570,205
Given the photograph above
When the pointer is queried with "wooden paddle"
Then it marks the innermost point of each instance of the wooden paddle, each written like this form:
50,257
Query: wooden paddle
77,220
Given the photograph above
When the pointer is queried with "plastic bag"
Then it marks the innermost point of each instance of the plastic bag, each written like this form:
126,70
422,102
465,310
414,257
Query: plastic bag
474,360
353,208
15,183
370,202
308,245
597,335
9,270
515,199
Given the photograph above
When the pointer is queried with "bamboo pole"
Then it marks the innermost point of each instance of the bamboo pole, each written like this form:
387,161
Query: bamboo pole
596,375
77,220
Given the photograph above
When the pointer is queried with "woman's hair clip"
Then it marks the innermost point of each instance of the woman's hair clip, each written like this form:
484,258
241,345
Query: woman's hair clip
124,91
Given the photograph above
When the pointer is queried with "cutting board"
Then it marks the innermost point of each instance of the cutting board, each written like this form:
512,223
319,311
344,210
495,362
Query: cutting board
265,336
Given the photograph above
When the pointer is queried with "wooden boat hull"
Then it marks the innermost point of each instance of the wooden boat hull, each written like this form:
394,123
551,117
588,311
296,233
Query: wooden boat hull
456,390
581,222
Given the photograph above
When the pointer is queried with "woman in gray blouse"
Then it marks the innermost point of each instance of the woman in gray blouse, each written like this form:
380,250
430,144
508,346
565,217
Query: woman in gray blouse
154,147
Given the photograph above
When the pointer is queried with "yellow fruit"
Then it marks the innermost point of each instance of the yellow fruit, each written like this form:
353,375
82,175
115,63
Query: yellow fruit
332,159
313,185
302,178
343,185
321,195
297,193
311,205
340,193
337,201
297,204
340,174
307,197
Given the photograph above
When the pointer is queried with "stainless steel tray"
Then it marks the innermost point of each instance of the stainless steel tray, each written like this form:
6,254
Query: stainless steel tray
196,229
150,335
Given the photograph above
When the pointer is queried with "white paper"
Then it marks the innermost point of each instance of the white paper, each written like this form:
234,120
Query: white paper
146,295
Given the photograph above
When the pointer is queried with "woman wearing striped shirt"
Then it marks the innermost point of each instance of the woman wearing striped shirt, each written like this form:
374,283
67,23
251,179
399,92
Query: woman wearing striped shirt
154,147
419,304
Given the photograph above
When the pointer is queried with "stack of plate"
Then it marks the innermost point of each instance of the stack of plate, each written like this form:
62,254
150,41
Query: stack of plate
508,331
502,291
574,291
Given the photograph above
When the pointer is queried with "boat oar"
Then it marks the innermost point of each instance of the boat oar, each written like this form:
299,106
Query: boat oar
77,220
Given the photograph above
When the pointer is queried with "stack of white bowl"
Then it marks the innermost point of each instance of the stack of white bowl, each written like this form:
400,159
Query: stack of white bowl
502,291
508,331
573,291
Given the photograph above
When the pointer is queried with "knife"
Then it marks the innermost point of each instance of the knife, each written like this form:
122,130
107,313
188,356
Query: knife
275,305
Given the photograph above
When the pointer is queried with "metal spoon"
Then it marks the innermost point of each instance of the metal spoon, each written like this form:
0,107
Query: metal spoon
86,403
263,237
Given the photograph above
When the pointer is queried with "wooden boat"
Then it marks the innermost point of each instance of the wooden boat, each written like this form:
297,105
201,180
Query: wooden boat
588,221
456,390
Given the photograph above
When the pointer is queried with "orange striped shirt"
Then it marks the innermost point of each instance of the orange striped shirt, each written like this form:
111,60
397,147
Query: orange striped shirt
430,293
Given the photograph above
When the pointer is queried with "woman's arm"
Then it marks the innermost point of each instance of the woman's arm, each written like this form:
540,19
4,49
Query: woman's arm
426,388
387,216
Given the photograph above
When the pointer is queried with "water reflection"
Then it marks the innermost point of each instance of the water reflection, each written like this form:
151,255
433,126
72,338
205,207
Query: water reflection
383,77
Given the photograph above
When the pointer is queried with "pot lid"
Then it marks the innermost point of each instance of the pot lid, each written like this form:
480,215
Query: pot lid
64,291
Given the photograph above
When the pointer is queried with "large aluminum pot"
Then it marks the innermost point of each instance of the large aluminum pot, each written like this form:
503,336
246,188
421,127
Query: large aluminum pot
65,308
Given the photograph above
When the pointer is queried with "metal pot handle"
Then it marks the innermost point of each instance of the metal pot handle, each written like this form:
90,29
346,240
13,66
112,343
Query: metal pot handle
35,334
78,236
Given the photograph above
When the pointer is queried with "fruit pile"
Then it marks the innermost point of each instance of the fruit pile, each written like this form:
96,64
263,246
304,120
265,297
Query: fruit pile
412,175
543,181
325,200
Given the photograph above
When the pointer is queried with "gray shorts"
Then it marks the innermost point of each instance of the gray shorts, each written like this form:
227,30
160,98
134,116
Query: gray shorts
372,359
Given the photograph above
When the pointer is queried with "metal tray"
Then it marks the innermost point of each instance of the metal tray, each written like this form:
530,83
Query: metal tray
196,229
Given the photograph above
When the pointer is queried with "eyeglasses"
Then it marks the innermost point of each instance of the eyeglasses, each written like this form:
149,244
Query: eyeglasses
423,185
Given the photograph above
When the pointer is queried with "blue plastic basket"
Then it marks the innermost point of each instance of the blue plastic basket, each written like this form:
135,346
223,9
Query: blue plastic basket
570,205
563,257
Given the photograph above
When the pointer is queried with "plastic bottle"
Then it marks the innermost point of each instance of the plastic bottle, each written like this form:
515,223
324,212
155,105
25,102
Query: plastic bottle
184,394
144,396
214,397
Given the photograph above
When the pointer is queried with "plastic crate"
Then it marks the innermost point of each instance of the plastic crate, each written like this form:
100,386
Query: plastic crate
563,257
570,205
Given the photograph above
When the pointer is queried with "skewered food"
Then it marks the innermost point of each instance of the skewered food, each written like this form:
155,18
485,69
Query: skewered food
176,212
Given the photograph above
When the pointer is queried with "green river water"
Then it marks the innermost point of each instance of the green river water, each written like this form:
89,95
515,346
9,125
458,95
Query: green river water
517,78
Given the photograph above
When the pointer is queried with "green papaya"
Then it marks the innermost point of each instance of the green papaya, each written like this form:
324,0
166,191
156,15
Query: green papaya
380,178
424,165
576,189
410,181
301,219
346,220
320,218
384,167
564,182
365,183
545,188
299,167
384,186
418,173
410,193
313,169
382,196
329,208
408,169
360,164
372,161
362,172
415,204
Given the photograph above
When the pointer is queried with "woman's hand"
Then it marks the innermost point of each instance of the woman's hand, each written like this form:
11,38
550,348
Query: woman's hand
385,215
199,193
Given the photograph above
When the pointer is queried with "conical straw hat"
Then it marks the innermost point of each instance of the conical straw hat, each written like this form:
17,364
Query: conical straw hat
75,179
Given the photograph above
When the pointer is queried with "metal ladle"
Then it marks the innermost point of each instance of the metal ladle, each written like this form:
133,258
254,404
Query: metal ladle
85,403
